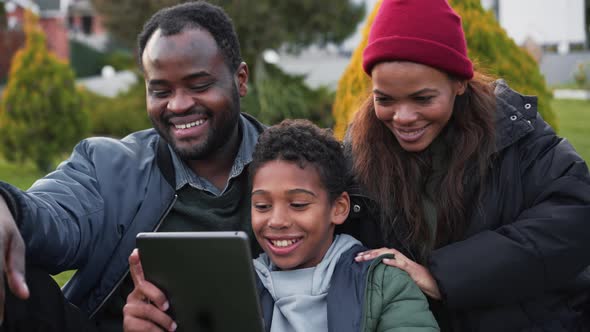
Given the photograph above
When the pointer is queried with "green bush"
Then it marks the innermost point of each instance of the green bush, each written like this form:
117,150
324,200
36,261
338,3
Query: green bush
490,48
275,96
120,60
119,116
41,113
494,52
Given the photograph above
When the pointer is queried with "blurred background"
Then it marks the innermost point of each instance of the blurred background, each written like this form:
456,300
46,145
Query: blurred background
68,67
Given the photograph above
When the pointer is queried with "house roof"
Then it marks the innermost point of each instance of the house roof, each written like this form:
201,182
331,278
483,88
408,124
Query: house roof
81,7
28,4
45,5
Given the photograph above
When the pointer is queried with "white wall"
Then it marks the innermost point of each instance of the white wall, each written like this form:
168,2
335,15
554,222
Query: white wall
546,21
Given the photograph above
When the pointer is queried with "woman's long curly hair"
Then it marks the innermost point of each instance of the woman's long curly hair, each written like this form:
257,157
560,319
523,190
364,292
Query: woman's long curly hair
396,178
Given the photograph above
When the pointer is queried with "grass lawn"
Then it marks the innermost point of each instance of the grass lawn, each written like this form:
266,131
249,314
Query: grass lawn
574,124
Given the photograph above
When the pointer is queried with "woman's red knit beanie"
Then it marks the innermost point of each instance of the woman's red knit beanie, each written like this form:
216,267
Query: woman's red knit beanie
423,31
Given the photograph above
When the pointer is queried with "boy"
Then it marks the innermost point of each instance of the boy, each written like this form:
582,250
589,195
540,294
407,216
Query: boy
307,277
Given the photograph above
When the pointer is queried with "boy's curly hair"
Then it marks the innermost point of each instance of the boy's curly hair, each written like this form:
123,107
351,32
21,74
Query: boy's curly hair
304,143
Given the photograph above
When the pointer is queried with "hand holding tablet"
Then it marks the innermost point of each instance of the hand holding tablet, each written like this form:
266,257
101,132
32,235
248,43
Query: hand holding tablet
206,277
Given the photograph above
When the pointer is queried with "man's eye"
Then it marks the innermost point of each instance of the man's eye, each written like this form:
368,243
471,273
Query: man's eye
200,87
159,93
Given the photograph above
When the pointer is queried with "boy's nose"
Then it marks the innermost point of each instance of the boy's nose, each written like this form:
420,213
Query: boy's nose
279,219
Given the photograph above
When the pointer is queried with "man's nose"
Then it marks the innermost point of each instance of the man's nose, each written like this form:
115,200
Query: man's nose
180,102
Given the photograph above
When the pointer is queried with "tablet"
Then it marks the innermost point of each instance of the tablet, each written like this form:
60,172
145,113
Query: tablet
208,278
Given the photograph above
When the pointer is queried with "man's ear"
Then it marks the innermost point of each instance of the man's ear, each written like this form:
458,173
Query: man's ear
340,208
242,74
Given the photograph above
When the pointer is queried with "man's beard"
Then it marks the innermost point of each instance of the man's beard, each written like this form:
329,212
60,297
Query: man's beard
221,126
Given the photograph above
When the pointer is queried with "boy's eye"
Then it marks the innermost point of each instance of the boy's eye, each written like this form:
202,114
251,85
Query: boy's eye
261,206
299,206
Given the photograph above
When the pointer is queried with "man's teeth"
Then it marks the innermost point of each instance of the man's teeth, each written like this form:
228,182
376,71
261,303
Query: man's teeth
191,124
283,243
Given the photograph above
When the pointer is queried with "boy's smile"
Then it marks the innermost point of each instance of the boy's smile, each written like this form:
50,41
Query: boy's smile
293,218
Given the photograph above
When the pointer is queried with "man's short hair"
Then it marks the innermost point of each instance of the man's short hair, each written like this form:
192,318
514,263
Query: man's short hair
194,15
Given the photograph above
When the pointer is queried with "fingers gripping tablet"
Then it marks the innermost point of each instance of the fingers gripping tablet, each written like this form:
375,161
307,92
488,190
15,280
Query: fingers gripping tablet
207,277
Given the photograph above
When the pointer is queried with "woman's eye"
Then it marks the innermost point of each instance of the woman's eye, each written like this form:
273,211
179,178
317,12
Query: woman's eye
384,101
423,99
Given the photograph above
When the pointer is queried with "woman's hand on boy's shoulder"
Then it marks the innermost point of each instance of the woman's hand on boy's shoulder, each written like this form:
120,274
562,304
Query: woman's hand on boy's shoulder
420,274
146,305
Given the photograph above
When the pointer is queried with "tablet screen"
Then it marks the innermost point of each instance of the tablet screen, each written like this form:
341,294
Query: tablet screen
208,278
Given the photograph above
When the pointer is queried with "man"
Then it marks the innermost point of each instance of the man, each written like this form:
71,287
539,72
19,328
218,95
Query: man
188,173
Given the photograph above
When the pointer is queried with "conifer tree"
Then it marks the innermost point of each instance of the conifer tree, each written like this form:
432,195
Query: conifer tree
41,112
489,47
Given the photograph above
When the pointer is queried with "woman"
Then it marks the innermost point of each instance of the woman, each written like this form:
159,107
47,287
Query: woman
488,209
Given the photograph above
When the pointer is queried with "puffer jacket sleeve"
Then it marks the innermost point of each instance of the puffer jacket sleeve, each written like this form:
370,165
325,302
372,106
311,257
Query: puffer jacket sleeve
396,304
60,213
543,248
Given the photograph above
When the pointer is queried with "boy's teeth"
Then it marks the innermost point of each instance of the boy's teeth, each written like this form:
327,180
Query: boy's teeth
190,124
282,243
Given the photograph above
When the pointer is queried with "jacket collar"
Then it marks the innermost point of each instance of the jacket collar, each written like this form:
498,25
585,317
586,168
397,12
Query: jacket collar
164,157
515,115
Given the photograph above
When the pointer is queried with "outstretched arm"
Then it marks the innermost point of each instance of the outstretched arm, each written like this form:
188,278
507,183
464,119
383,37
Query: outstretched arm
12,257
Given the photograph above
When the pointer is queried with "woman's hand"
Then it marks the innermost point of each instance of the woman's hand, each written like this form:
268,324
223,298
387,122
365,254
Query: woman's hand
146,305
417,272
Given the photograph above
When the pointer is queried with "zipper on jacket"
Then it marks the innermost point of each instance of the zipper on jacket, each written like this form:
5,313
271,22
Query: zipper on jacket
166,212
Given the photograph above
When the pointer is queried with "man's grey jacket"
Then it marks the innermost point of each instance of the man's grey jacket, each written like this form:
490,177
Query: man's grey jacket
86,214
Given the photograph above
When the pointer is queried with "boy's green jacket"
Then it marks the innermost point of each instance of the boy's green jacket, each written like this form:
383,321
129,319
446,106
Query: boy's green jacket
368,296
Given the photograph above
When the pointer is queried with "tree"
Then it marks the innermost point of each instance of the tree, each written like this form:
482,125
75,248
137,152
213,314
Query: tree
260,24
2,17
274,96
41,113
490,48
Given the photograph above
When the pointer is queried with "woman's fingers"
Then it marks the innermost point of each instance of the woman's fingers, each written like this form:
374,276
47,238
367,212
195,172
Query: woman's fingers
420,274
372,254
